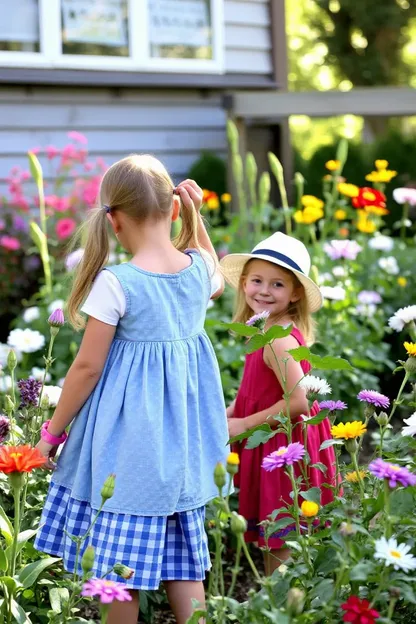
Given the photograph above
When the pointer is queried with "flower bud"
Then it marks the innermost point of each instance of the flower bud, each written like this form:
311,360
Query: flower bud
11,360
57,318
309,509
108,487
369,411
351,446
382,419
264,188
395,592
238,523
233,461
220,475
124,571
88,558
295,601
410,365
9,404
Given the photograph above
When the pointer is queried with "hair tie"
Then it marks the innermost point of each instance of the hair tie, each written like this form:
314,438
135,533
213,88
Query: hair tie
107,208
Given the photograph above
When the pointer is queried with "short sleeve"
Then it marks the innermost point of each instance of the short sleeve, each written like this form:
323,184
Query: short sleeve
106,301
213,271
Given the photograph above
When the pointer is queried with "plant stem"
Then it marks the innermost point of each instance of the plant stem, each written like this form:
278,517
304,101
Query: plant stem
387,508
405,216
291,473
357,471
248,557
235,569
16,497
395,403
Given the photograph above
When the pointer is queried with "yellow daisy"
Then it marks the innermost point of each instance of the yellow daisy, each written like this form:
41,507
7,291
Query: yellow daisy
333,165
309,509
350,190
340,214
402,281
349,430
311,201
410,348
352,477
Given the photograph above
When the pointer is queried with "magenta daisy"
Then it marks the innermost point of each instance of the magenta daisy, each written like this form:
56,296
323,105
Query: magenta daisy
284,456
105,591
394,473
374,398
259,320
333,406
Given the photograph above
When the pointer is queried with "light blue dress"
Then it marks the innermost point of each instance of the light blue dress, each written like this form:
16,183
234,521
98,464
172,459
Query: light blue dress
157,420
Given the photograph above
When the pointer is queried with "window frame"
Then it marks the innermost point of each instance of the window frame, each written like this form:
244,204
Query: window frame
51,57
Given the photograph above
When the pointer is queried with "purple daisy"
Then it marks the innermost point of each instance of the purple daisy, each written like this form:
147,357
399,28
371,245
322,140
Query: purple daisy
284,456
57,318
332,406
369,296
374,398
259,320
394,473
106,591
29,391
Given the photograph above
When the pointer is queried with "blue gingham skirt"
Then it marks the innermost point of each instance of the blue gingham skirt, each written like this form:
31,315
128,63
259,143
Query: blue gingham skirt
157,548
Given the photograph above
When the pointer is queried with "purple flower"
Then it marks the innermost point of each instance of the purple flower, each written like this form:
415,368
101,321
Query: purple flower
106,591
259,320
369,296
374,398
29,391
332,406
19,224
395,474
4,427
57,318
337,249
284,456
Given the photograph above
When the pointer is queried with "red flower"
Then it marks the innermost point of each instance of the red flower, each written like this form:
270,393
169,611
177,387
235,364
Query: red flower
20,458
369,197
358,611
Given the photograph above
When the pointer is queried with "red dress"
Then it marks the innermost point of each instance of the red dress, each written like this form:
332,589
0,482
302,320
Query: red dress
261,492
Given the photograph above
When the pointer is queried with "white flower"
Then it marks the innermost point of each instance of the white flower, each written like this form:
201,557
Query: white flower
325,277
336,293
339,271
395,554
381,242
4,352
315,385
366,309
405,196
31,314
38,373
410,430
58,303
73,259
389,265
26,340
5,383
402,317
53,393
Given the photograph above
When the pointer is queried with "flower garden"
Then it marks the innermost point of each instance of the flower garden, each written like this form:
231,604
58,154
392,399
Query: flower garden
353,560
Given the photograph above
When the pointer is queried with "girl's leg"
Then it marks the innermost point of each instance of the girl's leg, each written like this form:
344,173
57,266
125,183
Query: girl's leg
180,595
125,612
275,558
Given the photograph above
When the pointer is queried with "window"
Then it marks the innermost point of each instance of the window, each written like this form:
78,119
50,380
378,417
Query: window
131,35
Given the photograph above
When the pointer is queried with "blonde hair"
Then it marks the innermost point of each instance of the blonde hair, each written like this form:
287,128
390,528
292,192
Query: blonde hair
298,311
140,187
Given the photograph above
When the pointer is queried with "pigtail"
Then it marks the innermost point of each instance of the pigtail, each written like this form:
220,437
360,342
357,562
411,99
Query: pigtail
188,235
96,252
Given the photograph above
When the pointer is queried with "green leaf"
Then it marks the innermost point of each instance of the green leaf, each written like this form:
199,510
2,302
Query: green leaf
6,527
328,443
11,584
407,592
35,169
261,340
30,573
315,420
196,616
58,597
323,590
283,523
362,571
319,466
23,537
402,503
19,614
249,433
313,495
326,362
259,437
4,564
241,329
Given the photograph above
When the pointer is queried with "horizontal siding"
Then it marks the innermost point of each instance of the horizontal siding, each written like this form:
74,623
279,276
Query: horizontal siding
175,129
248,37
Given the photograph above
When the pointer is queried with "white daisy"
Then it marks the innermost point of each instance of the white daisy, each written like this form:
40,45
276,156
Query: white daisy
381,242
339,271
53,393
31,314
402,317
5,383
26,340
410,430
395,554
38,373
335,293
389,265
315,385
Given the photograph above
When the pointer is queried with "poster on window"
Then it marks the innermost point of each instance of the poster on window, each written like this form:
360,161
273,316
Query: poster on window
19,23
179,22
94,21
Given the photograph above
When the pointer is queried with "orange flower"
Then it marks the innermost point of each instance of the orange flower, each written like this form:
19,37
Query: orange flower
20,458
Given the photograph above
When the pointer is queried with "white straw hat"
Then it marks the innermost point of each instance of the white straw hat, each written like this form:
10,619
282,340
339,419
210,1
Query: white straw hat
284,251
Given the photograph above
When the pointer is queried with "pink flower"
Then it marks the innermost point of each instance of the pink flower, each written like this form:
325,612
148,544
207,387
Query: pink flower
284,456
26,175
57,318
10,243
60,204
405,196
35,150
65,227
78,137
106,591
2,224
52,151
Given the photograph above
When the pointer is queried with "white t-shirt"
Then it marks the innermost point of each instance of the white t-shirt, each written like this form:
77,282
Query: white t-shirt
107,302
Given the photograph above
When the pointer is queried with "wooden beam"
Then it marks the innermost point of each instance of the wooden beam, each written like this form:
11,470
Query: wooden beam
368,101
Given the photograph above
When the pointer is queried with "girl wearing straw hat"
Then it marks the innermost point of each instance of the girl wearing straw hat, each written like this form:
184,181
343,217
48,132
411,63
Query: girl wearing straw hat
273,279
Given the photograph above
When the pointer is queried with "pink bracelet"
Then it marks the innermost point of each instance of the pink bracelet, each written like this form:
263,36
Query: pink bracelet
49,438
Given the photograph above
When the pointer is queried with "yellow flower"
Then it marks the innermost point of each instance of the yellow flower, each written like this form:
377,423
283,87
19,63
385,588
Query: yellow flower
226,238
333,165
310,201
352,477
309,215
364,224
234,459
349,430
384,175
213,203
309,509
350,190
340,214
376,210
381,164
225,198
410,348
402,281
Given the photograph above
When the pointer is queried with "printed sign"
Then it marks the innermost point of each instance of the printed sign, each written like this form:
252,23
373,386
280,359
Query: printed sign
94,21
179,22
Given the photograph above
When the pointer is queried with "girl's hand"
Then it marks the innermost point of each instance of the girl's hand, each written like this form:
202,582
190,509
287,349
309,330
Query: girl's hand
49,451
190,193
236,426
